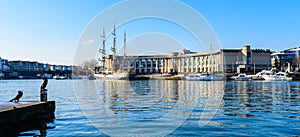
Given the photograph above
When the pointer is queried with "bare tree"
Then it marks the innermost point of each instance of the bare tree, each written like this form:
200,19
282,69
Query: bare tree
89,66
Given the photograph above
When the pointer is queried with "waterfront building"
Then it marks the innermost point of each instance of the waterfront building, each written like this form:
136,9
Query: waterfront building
1,64
26,66
5,66
184,61
286,60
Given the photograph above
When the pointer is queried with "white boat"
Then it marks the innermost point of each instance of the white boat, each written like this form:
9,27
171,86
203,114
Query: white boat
241,77
280,76
57,77
202,77
113,76
259,75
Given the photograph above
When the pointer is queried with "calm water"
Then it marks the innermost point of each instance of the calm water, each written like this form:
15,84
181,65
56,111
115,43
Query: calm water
165,108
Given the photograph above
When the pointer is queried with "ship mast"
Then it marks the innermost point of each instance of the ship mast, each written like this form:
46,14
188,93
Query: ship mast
113,49
124,49
102,51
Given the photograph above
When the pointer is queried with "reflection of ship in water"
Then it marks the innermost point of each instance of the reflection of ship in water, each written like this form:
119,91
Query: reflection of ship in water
132,97
112,66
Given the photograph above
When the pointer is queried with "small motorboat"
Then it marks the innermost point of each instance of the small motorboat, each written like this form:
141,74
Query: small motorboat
241,77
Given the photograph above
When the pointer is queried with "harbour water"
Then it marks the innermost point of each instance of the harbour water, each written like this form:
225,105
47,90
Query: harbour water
165,107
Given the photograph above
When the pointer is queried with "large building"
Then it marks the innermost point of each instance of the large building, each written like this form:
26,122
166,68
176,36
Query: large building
184,61
286,60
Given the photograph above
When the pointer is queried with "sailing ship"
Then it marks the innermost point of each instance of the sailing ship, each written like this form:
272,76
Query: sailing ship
110,67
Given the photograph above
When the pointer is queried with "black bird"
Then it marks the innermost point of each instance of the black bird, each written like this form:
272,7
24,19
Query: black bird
20,94
44,84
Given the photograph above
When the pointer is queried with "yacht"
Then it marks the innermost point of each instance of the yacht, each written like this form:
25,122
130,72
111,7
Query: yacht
241,77
203,77
280,76
259,75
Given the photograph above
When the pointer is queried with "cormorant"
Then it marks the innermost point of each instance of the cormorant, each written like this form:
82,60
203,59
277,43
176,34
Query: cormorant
20,94
44,84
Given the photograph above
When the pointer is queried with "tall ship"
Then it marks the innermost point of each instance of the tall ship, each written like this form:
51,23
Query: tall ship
112,66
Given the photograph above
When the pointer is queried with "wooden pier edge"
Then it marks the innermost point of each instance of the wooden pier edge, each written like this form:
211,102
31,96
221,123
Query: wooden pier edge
25,113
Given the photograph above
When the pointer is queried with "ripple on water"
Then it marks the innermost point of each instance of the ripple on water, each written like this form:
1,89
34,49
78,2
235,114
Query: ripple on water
242,109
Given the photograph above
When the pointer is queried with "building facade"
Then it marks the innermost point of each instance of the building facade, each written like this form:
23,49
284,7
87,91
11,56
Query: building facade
286,60
184,61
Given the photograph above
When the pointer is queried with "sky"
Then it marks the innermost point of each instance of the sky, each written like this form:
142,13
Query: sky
50,31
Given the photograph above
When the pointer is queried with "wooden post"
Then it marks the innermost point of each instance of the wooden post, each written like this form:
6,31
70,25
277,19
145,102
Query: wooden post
43,95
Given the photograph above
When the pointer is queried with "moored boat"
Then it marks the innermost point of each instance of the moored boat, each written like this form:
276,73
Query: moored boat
259,75
57,77
116,70
280,76
202,77
241,77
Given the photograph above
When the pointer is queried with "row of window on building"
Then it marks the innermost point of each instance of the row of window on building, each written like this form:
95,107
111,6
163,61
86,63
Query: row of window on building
23,66
240,60
223,60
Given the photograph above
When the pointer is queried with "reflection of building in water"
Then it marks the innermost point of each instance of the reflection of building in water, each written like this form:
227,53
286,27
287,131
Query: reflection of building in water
152,99
185,61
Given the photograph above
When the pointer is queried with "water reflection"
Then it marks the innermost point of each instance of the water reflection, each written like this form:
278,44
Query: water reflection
141,87
253,99
135,107
116,108
39,125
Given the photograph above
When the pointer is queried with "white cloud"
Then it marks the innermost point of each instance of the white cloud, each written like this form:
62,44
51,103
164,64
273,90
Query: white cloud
88,42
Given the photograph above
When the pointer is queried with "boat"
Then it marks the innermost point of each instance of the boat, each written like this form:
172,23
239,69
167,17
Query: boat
198,77
57,77
279,76
113,72
203,77
112,76
259,75
241,77
92,77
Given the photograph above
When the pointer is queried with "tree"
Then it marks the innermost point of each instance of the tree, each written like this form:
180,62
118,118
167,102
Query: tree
89,66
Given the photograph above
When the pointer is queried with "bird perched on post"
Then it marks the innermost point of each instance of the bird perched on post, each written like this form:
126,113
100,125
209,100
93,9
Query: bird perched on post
20,94
44,84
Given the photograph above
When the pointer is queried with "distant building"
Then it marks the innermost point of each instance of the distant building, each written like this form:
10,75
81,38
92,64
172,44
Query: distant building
1,64
5,65
184,61
246,59
287,59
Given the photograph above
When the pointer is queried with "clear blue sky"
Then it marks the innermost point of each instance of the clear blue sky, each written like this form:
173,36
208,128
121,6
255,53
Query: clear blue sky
48,31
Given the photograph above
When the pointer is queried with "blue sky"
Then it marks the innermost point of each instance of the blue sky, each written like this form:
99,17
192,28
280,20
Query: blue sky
48,31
